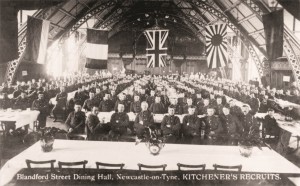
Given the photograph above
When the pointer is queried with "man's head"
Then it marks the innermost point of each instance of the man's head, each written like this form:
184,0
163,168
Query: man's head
171,110
77,107
189,101
206,102
40,95
136,98
192,110
245,109
157,99
106,96
121,107
271,112
23,94
226,111
91,95
210,111
152,92
199,95
144,106
98,90
95,110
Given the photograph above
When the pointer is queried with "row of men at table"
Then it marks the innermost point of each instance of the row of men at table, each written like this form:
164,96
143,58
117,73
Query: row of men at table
211,129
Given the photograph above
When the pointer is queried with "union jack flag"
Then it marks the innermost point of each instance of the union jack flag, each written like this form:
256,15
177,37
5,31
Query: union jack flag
157,49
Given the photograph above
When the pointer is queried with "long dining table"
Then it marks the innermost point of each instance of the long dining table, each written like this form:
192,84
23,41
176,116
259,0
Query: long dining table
262,161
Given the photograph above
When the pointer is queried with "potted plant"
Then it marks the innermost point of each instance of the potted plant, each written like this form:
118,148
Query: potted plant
248,140
152,140
47,138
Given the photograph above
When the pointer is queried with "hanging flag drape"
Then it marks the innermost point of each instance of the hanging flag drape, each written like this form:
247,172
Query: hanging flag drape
156,50
37,40
216,45
292,6
96,49
273,26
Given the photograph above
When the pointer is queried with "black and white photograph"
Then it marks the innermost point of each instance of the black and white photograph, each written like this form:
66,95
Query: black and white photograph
150,92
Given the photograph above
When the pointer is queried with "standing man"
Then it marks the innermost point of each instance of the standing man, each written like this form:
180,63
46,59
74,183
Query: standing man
61,101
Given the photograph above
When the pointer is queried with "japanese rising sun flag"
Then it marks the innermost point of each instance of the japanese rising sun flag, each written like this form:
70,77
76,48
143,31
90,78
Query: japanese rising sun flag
216,45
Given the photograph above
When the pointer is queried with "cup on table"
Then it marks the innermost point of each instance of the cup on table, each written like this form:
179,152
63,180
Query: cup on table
9,109
28,109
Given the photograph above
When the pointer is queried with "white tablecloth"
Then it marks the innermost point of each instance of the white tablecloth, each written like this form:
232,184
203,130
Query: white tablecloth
291,126
21,118
265,160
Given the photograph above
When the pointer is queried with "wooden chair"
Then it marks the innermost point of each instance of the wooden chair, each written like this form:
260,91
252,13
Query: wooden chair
227,168
72,164
163,166
193,167
51,162
119,166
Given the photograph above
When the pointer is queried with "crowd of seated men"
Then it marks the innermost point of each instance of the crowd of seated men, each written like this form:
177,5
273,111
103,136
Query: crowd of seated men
36,95
221,123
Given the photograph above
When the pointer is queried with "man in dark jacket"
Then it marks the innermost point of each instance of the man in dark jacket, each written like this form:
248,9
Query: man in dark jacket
76,121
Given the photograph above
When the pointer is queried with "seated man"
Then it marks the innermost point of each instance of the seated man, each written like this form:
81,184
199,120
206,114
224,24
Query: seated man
212,127
191,127
135,106
219,106
158,106
93,124
106,105
76,121
22,102
60,106
202,107
189,103
90,103
41,105
170,126
270,125
143,120
119,122
232,127
151,98
177,107
248,121
122,101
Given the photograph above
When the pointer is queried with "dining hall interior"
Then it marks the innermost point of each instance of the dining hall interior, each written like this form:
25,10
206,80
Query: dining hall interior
166,92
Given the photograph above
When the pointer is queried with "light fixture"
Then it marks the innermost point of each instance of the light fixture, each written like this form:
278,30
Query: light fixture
139,19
